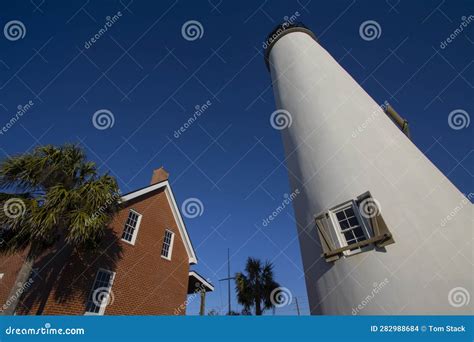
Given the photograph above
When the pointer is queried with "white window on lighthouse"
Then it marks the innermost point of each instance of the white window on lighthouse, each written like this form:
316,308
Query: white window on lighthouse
350,227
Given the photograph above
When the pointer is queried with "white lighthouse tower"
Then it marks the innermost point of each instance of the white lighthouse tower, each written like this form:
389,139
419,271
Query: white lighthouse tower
381,229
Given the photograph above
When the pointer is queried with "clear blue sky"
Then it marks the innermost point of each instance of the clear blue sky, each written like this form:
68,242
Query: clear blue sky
151,79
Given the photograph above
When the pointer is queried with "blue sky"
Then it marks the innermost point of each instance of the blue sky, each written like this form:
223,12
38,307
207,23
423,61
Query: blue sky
151,79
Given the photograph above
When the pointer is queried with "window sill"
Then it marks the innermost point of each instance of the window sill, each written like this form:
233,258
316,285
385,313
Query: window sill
129,242
333,255
163,257
350,253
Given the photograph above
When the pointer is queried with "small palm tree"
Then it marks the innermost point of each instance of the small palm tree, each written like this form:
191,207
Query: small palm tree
254,289
52,193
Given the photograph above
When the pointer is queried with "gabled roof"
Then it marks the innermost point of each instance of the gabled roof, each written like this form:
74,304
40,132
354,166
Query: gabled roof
174,209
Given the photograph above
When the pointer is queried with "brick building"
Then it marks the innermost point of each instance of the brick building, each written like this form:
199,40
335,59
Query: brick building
141,268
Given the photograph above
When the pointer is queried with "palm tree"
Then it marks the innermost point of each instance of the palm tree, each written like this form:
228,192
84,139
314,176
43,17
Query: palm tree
53,193
254,289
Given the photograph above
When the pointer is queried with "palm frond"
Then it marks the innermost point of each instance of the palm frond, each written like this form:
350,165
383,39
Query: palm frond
254,288
59,193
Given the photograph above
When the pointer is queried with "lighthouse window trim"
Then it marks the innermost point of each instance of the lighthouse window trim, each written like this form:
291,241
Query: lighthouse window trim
350,227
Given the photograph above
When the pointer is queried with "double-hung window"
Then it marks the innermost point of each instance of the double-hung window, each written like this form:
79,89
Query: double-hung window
101,293
132,224
167,247
352,227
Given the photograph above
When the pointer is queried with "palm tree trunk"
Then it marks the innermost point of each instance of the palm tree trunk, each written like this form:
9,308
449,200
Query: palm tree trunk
258,309
22,282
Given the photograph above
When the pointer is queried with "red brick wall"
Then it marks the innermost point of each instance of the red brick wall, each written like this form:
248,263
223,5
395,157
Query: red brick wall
144,284
10,266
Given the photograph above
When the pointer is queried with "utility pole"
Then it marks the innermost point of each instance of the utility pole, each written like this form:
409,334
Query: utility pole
229,278
297,306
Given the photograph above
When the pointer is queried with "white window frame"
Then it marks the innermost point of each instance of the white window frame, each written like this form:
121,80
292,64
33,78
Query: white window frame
103,305
170,249
337,227
135,231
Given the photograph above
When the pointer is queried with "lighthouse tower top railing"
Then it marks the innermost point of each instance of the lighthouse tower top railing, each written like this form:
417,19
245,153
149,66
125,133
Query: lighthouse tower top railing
281,30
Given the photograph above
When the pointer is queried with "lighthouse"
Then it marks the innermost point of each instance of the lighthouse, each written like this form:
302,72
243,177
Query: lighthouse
381,229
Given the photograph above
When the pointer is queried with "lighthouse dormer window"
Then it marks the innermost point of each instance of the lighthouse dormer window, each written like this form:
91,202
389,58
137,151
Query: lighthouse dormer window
352,227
